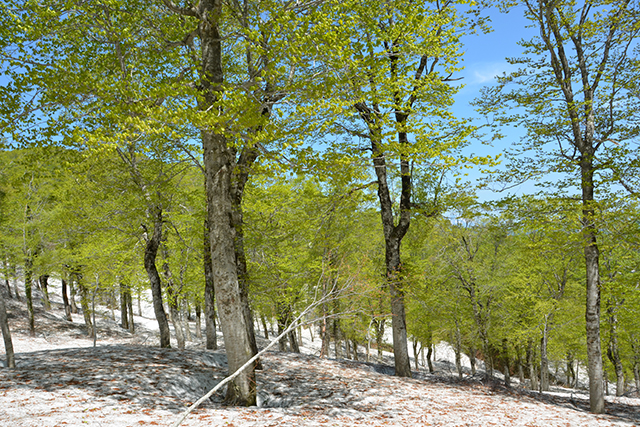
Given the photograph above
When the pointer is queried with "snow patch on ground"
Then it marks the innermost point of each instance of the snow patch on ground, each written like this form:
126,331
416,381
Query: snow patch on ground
127,380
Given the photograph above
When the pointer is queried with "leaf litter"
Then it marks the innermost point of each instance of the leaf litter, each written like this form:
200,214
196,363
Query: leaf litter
126,380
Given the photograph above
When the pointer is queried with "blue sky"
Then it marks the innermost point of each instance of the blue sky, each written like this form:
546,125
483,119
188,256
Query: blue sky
484,58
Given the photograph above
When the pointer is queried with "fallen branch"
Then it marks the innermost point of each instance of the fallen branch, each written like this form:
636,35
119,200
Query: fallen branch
296,322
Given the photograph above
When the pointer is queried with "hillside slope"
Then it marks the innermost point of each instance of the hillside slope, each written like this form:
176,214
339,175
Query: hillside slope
62,380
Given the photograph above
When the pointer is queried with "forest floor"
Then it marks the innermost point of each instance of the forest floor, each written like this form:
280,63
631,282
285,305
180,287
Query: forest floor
126,380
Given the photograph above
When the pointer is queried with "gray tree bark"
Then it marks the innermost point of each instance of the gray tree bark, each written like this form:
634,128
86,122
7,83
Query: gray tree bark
613,352
150,255
44,287
209,293
6,333
28,283
544,360
172,301
124,306
65,301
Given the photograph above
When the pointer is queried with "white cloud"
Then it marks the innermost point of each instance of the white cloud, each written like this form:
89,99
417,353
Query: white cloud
481,73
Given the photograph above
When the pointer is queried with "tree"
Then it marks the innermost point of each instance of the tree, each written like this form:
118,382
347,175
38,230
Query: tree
572,100
391,70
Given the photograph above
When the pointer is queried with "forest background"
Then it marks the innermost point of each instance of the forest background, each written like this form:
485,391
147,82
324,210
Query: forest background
269,155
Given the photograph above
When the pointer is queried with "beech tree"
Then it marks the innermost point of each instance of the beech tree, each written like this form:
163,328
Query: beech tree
391,69
571,96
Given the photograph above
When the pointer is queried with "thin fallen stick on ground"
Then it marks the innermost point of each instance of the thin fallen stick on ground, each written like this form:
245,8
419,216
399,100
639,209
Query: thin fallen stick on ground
231,377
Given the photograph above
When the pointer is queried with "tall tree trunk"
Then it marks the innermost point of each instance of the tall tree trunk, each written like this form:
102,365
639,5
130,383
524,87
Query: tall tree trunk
472,359
6,333
337,338
150,255
612,350
592,315
16,287
379,326
65,301
520,365
172,301
6,269
209,293
198,320
218,160
184,315
263,319
544,360
239,180
429,354
129,295
28,283
571,373
393,233
457,348
44,287
86,306
636,376
533,375
93,312
325,335
507,365
293,341
124,305
72,296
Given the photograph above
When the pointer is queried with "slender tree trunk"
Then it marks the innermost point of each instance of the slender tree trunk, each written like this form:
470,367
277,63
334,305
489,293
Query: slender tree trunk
507,366
150,255
592,261
16,287
379,325
172,301
429,353
65,301
354,343
28,283
612,351
393,233
173,297
293,341
8,285
282,342
239,180
5,266
533,375
457,348
86,306
72,296
337,338
636,376
336,330
44,287
185,320
209,293
264,326
520,367
6,333
472,360
124,306
198,321
325,336
544,361
132,327
93,312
